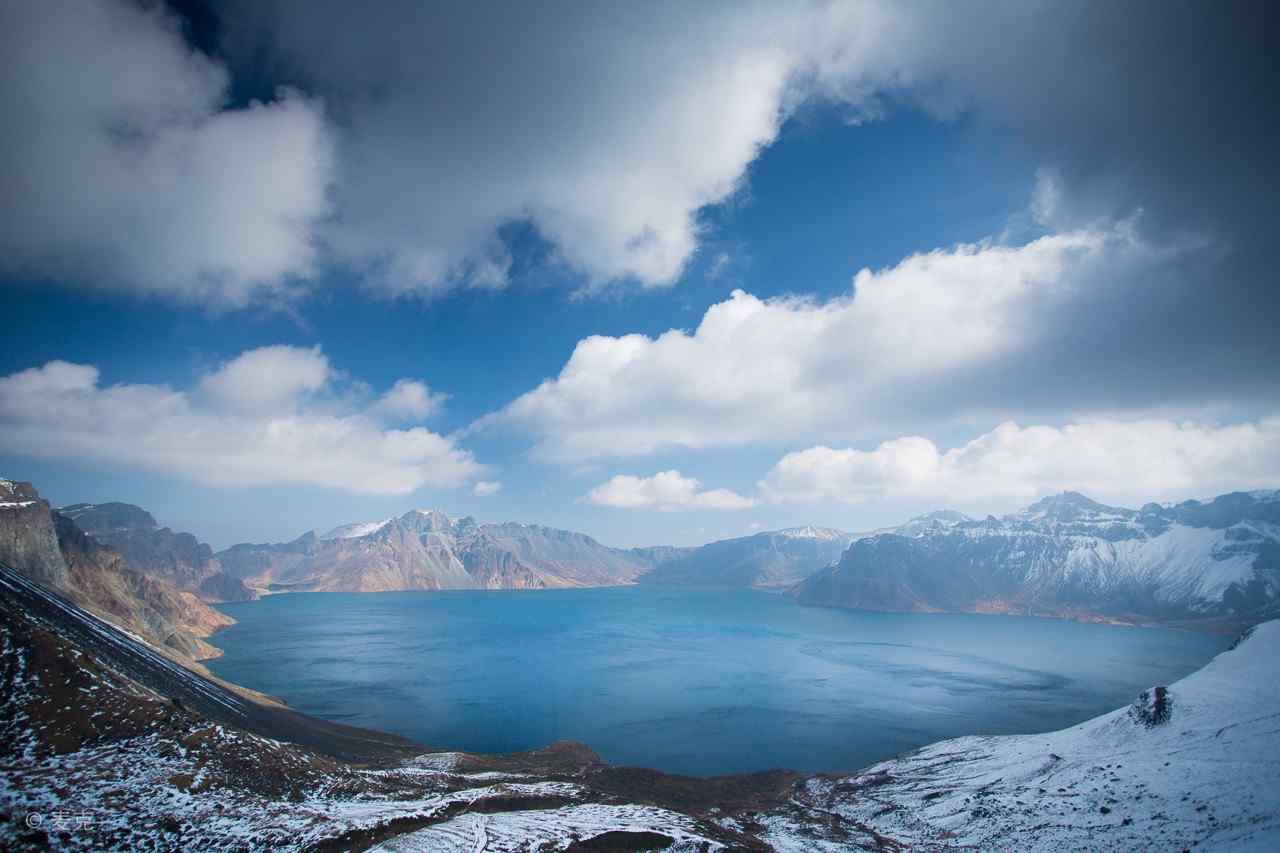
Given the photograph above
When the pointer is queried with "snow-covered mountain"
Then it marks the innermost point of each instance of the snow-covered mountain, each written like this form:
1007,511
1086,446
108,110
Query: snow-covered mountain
776,559
427,549
1070,556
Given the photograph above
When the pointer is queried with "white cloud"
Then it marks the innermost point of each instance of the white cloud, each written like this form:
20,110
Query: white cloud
484,488
410,400
121,168
270,416
666,490
1136,460
787,370
268,380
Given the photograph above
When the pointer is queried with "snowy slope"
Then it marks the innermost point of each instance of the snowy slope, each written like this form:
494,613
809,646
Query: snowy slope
1207,777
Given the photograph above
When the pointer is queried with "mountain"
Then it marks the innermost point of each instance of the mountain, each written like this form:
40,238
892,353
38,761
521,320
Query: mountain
1068,555
775,559
426,549
176,558
51,549
109,746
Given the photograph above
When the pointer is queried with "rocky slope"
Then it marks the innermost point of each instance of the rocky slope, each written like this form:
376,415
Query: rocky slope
1071,556
106,745
426,549
765,560
176,558
52,550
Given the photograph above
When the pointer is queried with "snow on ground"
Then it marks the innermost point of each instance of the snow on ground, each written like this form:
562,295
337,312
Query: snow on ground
1209,776
551,829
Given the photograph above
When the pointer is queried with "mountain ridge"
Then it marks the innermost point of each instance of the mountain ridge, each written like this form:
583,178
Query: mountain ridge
1068,555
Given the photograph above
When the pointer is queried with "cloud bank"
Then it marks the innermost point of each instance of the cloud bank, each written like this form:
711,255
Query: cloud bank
1133,460
271,416
893,351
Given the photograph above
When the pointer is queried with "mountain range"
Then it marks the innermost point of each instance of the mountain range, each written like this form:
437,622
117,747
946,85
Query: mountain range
1064,556
1068,555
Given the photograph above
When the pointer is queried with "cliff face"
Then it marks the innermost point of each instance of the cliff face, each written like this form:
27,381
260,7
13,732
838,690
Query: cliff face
1070,556
99,579
28,541
50,549
158,552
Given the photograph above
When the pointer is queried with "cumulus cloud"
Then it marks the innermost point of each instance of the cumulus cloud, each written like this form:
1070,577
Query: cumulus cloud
666,490
1127,460
121,167
269,416
484,488
410,400
780,371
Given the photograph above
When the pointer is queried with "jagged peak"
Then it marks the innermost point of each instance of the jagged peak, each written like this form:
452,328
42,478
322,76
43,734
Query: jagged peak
1068,506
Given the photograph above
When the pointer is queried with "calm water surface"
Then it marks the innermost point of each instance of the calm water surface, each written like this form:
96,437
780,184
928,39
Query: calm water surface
688,681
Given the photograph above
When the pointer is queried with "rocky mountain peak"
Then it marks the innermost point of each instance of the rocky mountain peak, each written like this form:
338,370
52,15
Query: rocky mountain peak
108,517
1071,506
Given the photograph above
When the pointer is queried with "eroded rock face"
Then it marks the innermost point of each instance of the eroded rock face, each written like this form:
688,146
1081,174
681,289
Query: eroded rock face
99,579
50,549
28,541
158,552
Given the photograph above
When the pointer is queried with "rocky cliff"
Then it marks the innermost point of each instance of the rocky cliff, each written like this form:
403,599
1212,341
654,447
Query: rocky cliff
51,549
28,541
1070,556
176,558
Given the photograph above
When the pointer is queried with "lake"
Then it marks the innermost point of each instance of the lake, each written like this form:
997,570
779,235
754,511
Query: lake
693,681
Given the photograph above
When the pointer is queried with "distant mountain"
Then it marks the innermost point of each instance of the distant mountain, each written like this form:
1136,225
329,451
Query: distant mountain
158,552
51,549
426,549
1068,555
775,559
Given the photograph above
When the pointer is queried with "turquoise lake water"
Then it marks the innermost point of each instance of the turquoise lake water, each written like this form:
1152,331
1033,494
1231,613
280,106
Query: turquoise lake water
688,681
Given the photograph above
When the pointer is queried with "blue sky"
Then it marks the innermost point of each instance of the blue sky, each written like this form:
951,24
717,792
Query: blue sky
1003,259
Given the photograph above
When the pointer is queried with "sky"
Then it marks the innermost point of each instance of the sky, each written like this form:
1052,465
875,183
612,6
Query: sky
661,273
